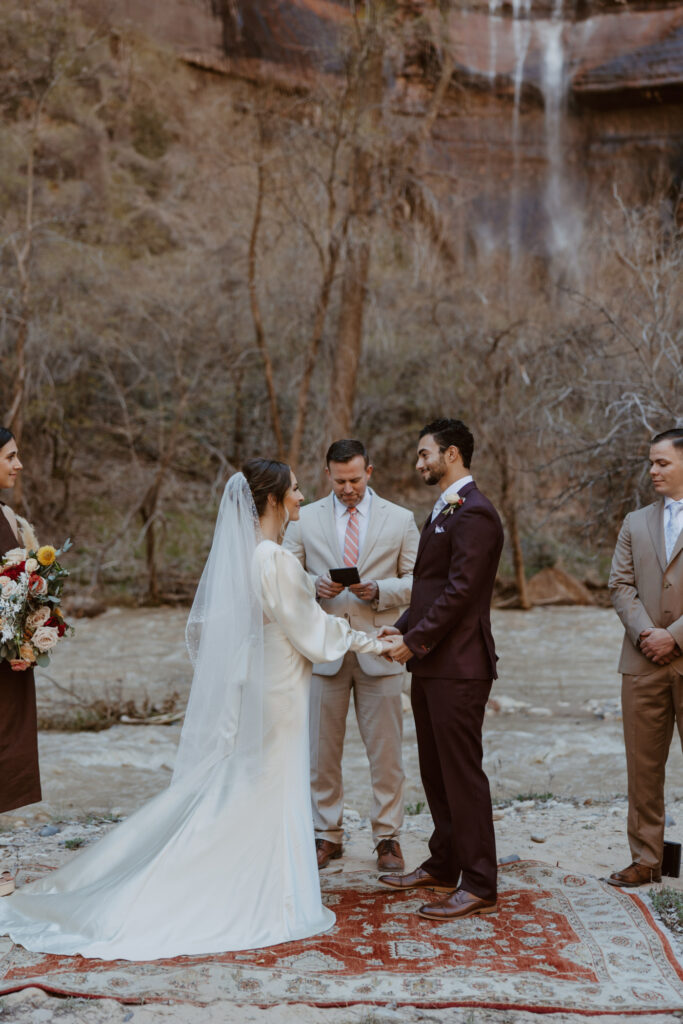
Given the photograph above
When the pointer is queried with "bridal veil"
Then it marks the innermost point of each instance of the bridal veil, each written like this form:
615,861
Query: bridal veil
224,638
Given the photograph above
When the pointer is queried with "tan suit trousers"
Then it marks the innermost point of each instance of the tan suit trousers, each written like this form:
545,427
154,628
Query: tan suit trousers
379,713
651,704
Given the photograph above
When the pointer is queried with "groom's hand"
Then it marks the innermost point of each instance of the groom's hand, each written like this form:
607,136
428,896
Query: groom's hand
399,651
326,587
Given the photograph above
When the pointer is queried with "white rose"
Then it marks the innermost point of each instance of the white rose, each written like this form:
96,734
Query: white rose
9,587
15,556
31,565
39,617
45,638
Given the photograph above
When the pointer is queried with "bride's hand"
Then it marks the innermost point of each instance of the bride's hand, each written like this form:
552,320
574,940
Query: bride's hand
388,643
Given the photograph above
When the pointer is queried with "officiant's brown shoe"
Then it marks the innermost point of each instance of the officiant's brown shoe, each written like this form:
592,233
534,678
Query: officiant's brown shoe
417,879
389,856
327,851
458,904
635,875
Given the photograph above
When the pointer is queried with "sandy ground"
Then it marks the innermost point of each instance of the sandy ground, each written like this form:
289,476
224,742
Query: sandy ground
554,754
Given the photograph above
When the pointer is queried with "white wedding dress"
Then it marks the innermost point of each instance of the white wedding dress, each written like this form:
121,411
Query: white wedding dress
224,859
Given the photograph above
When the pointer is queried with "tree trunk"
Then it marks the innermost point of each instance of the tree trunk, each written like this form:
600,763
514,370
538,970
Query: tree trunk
517,558
258,319
348,345
509,510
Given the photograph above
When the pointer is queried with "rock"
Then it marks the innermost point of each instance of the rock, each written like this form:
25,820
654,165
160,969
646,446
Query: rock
49,830
83,607
503,705
511,858
669,821
555,586
537,839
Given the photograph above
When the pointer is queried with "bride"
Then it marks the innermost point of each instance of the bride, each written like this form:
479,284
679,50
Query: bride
224,859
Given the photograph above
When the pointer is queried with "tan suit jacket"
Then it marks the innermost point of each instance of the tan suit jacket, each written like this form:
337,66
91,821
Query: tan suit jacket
646,590
387,556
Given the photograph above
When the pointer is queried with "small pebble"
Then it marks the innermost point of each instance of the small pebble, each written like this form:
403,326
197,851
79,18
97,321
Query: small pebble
669,821
49,830
537,839
510,859
128,1016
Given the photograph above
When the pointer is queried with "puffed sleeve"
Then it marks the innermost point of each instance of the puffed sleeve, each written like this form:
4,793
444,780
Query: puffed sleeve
289,599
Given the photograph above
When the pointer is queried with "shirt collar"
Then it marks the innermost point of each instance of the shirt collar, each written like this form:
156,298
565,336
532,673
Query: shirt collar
672,501
455,488
363,505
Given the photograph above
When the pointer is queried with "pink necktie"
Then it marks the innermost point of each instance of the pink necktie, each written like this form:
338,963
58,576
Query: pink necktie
351,540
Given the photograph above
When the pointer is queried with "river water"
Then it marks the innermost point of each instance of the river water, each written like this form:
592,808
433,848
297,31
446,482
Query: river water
553,724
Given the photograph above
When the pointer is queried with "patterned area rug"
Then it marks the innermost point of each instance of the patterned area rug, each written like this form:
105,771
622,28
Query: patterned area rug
559,942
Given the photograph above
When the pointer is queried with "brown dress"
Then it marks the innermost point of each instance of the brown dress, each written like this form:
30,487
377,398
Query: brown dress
19,774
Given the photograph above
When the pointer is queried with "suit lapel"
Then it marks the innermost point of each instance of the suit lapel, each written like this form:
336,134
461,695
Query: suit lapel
654,519
378,515
329,527
430,526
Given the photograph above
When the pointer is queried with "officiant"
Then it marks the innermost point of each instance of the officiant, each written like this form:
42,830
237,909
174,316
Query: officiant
353,527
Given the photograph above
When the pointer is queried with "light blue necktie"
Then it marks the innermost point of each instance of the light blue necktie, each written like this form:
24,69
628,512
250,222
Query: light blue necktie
672,528
439,507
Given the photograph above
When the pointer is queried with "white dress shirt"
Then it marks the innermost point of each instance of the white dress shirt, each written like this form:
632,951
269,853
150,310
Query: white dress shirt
678,523
441,502
341,514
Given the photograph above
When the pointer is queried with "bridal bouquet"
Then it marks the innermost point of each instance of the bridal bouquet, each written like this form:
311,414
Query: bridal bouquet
31,621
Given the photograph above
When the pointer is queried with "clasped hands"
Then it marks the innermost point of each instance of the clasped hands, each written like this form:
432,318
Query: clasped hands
368,590
658,646
395,649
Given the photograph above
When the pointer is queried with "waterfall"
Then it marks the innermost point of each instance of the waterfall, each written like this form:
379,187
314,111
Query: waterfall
521,36
528,45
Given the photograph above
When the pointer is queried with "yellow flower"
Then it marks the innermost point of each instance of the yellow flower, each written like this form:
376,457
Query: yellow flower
46,555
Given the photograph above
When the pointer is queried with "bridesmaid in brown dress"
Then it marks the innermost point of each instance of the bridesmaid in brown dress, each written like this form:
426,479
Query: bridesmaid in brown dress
19,775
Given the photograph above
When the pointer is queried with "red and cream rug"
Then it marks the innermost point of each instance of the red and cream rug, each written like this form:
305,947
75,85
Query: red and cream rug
558,942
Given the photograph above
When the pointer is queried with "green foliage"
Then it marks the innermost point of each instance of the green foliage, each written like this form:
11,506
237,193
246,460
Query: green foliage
417,808
74,844
149,133
668,904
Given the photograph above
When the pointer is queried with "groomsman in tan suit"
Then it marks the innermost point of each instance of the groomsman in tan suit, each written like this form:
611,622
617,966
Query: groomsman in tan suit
354,526
646,584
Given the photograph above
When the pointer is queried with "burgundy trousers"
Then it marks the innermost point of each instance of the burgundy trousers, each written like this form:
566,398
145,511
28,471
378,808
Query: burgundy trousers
449,714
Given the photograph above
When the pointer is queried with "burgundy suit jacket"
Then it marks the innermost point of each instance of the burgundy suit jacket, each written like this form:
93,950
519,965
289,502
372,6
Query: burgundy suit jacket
448,623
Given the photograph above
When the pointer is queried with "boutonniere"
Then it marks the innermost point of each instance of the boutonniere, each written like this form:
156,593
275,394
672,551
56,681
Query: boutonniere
453,501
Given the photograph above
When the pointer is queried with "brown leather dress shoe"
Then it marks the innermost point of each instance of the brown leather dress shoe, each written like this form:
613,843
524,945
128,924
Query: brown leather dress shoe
417,879
389,856
635,875
459,904
326,851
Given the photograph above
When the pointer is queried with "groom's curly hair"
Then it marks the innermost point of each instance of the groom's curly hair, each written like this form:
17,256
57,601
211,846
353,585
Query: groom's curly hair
452,432
267,476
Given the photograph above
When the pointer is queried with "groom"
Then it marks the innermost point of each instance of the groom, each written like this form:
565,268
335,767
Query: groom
447,642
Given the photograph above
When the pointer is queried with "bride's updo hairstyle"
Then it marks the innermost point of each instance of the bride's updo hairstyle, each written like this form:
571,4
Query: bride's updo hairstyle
266,476
5,436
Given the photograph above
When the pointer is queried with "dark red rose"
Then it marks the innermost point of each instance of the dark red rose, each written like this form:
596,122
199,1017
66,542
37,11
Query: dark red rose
13,571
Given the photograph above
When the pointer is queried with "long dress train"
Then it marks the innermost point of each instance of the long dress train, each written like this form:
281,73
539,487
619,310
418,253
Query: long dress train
221,860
